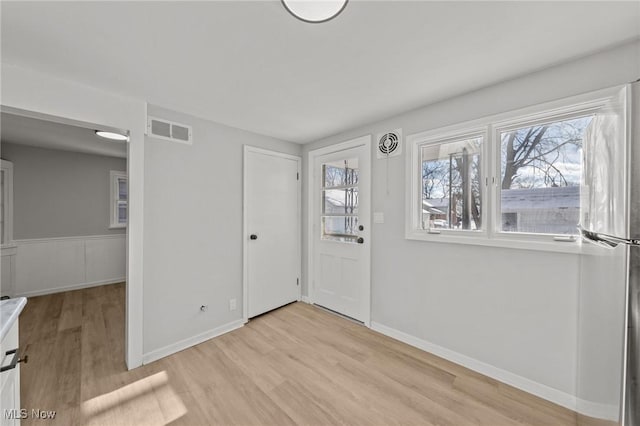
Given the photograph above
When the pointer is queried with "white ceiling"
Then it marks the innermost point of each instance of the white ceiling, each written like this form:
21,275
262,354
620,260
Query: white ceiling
252,65
47,134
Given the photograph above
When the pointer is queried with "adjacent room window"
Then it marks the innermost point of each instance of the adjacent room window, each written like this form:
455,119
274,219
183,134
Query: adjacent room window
513,179
6,203
540,176
119,199
452,184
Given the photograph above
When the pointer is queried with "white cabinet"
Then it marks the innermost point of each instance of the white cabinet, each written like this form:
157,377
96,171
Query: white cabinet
10,381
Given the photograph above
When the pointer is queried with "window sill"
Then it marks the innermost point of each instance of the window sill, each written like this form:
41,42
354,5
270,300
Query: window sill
9,249
573,247
118,227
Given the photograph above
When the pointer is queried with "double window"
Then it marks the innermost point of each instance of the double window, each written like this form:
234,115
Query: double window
510,179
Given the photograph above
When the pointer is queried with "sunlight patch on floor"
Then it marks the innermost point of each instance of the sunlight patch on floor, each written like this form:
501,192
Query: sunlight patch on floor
149,401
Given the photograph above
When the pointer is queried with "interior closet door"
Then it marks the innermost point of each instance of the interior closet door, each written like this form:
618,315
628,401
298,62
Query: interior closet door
272,230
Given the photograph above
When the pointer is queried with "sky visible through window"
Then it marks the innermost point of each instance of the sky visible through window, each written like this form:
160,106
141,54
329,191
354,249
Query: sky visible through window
543,156
539,182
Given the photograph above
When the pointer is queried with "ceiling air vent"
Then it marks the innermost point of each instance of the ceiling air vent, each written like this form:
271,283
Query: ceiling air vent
169,130
389,144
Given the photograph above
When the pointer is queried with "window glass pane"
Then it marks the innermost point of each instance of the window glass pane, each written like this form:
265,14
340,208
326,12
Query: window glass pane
122,188
340,228
2,241
340,201
451,185
541,173
340,173
122,212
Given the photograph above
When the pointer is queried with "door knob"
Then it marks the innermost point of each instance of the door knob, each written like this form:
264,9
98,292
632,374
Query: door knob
253,237
361,227
360,240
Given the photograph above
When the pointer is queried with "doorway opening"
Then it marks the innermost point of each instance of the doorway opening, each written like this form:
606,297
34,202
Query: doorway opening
64,238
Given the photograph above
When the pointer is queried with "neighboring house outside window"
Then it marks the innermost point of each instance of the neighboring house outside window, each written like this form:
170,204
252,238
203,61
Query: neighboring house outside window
512,179
119,199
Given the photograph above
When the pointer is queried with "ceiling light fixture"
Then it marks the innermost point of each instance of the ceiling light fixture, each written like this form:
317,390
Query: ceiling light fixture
315,11
111,135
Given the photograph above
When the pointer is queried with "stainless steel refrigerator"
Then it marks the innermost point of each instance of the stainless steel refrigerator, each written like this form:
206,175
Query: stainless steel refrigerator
608,328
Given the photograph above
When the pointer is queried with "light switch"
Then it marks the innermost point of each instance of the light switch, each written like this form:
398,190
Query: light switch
378,217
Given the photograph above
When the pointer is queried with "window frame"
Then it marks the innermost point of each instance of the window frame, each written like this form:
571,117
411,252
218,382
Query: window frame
114,200
7,204
427,139
493,125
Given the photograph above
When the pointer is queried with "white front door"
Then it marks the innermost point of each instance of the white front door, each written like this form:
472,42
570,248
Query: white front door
272,230
341,229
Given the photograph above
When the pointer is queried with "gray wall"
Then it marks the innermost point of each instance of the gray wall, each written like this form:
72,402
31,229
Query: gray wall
193,228
515,310
60,193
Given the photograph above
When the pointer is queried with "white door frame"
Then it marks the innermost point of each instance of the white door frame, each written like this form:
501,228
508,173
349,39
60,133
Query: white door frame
311,186
245,232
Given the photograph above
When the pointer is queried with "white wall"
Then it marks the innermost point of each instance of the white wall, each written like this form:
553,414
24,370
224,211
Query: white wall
36,91
511,313
193,232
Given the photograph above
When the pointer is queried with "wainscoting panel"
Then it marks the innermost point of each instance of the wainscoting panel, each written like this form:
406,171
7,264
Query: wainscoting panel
105,259
51,265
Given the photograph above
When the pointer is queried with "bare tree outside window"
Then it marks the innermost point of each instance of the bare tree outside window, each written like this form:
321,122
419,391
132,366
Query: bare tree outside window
340,200
541,173
451,185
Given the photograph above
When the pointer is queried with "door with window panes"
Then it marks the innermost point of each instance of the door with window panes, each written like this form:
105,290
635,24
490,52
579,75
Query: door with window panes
341,228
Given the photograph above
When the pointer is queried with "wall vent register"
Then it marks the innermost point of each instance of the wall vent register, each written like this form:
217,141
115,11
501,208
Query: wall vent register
169,130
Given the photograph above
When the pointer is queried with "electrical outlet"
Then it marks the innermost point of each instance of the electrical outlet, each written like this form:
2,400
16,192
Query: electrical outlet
232,305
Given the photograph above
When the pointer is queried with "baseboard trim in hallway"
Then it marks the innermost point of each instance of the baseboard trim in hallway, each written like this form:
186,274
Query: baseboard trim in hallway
74,287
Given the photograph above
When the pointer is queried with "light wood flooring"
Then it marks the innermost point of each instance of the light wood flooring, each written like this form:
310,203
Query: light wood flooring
296,365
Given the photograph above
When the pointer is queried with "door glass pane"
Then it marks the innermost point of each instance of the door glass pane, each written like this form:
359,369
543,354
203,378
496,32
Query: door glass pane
340,228
339,202
451,185
541,173
340,173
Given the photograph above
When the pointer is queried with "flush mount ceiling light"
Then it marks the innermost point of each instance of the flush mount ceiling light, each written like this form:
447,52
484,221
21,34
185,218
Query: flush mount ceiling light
111,135
315,11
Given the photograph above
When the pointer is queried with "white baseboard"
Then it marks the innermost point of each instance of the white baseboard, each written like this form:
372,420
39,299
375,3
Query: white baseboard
598,410
305,299
190,341
538,389
70,287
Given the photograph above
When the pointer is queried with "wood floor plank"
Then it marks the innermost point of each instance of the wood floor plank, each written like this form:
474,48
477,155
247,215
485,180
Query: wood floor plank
296,365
